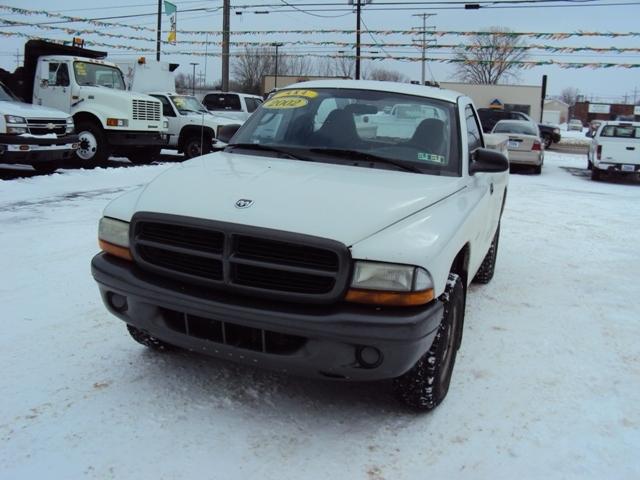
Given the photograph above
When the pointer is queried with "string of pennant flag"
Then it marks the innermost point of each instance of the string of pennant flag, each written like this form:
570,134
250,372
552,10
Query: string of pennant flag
436,33
543,47
524,64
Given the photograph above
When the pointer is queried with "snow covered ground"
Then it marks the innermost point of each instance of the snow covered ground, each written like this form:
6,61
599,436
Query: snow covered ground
547,382
574,137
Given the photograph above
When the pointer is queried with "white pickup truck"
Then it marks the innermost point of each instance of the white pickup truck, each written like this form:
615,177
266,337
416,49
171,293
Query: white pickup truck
33,135
193,130
615,148
308,249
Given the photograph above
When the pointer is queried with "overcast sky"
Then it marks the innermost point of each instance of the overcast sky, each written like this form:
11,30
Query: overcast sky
606,84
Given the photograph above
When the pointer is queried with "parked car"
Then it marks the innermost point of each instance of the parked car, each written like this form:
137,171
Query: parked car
574,124
489,117
34,135
193,130
615,148
312,250
234,105
524,145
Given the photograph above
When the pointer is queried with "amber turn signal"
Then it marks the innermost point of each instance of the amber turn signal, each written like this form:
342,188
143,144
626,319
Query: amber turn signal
398,299
115,250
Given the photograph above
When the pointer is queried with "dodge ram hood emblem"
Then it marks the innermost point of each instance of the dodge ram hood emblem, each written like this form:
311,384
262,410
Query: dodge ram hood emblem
244,203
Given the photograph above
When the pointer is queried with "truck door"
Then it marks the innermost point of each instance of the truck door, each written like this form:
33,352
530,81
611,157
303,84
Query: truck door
171,115
53,86
486,214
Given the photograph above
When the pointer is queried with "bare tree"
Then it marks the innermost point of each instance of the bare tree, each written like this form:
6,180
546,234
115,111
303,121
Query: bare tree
490,58
253,64
569,95
339,66
386,75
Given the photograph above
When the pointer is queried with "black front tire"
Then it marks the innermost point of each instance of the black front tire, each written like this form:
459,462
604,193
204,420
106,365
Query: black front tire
143,338
94,149
488,266
195,146
547,141
595,174
427,383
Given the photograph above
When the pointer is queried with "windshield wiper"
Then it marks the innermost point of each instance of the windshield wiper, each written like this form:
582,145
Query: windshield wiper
360,155
268,148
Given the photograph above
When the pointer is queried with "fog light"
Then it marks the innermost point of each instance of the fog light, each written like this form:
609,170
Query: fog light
368,357
118,302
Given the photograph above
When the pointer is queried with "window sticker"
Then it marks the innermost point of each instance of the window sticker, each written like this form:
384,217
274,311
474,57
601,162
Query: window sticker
81,69
284,103
296,93
430,157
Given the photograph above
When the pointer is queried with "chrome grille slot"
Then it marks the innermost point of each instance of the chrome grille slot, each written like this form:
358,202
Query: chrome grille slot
146,110
44,126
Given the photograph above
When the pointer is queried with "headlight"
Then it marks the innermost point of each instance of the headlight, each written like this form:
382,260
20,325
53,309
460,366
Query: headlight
556,130
390,284
113,237
14,119
70,125
165,124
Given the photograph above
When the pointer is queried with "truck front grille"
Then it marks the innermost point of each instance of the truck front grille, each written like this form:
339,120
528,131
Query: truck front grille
43,126
247,260
146,110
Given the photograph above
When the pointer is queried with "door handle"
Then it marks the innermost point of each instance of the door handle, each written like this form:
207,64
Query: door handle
631,148
491,189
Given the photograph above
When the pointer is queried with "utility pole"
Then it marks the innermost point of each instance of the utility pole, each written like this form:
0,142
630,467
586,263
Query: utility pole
226,10
18,59
159,31
358,8
424,42
277,45
193,78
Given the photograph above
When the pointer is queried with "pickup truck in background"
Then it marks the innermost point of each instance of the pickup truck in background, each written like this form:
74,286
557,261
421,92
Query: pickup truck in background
306,248
237,106
192,129
615,148
34,135
108,119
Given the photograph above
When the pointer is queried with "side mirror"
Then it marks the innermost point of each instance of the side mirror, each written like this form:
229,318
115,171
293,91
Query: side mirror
225,132
489,161
44,83
590,134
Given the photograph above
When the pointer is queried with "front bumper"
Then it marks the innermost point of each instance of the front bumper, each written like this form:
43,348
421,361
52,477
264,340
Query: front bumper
32,150
328,339
127,138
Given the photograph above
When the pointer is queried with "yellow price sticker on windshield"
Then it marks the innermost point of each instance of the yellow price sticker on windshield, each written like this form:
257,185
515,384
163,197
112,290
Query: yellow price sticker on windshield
287,102
296,93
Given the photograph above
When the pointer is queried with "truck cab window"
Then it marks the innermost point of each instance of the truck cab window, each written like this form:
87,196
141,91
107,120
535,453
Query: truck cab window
58,75
473,131
167,109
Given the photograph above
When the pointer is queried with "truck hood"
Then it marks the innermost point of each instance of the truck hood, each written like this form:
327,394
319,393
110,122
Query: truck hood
343,203
31,111
208,119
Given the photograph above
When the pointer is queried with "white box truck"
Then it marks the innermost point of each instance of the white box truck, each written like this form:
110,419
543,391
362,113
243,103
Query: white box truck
108,118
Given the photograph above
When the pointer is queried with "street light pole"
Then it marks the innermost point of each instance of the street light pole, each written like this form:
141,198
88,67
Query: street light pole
277,45
193,78
159,30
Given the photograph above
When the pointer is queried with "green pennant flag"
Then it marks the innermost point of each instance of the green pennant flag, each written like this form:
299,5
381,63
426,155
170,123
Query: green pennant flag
171,10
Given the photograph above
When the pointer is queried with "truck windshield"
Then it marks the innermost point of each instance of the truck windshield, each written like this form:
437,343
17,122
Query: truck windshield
187,104
6,95
354,126
97,74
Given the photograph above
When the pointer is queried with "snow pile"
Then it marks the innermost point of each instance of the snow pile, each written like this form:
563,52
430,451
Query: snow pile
574,137
545,385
